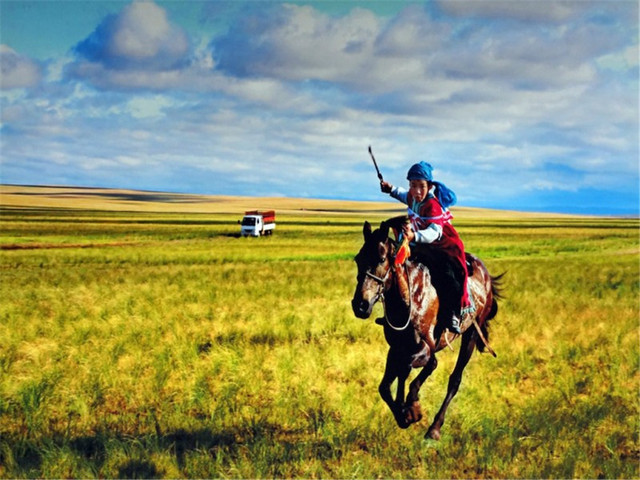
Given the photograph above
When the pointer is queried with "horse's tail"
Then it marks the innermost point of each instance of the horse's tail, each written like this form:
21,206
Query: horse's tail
496,293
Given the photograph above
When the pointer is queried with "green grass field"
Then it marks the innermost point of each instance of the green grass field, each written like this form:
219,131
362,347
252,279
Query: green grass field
142,339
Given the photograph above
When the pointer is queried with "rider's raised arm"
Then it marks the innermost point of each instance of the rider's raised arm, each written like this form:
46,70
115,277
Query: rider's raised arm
399,194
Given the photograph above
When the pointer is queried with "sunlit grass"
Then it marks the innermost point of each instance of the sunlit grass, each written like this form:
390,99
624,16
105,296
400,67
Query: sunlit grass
161,345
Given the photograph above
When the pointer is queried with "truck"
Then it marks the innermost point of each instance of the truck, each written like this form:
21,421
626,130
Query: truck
256,223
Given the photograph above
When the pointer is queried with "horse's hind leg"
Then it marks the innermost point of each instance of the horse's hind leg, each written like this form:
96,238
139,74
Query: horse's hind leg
468,344
412,410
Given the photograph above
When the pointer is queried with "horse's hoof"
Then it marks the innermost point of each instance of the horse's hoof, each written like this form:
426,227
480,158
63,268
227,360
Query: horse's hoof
401,418
433,434
402,423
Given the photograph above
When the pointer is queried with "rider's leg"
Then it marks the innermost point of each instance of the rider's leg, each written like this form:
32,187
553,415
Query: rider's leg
447,286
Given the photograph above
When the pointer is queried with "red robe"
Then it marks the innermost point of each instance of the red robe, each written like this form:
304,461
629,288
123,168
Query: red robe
430,211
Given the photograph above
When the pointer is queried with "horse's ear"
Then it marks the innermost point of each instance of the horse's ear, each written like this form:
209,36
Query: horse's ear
384,228
366,230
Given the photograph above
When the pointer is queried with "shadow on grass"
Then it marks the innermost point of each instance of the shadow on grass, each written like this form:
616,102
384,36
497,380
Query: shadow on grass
182,442
27,456
138,469
32,457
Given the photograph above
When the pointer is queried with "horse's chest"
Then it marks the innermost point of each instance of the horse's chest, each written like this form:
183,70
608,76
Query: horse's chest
424,300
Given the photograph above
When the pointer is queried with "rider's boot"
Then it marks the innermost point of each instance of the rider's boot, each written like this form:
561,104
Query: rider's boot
454,325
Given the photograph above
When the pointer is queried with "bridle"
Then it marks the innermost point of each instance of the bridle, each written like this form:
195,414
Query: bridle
381,282
380,295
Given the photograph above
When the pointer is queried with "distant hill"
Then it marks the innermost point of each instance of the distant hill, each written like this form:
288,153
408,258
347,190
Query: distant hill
89,198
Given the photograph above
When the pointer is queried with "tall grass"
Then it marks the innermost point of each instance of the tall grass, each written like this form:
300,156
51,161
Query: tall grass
161,345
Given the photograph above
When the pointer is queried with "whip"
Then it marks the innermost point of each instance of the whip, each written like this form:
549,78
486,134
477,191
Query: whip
375,164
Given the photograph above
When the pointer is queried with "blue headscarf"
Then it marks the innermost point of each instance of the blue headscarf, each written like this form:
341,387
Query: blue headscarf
424,171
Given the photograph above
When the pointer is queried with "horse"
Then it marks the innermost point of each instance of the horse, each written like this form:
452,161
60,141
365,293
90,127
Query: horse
406,323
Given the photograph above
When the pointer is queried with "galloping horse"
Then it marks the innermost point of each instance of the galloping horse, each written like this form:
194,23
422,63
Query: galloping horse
405,324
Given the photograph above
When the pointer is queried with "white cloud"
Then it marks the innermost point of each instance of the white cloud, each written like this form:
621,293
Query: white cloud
149,106
140,37
17,71
300,43
411,34
620,61
534,11
141,31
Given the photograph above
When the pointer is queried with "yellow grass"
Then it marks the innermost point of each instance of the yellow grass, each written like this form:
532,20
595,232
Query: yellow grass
167,346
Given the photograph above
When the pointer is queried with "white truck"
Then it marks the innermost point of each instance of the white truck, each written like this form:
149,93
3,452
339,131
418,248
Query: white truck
256,223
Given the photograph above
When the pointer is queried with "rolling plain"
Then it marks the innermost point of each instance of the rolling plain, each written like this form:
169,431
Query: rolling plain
140,337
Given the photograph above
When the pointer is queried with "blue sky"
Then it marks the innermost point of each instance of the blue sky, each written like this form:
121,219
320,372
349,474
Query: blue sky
520,105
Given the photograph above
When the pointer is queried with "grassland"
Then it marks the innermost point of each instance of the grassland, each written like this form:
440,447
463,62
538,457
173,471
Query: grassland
140,337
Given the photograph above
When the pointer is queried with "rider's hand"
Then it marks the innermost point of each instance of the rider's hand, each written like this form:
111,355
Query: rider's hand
407,232
385,187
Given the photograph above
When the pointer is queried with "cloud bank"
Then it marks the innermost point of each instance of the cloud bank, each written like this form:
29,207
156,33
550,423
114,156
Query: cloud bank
517,106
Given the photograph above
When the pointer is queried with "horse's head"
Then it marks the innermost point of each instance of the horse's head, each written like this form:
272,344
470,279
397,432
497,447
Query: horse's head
374,269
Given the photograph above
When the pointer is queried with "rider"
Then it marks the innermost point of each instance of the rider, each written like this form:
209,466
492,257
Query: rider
430,223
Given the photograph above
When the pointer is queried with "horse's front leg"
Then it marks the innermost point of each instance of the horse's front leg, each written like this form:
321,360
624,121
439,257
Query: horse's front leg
466,349
412,410
394,369
403,372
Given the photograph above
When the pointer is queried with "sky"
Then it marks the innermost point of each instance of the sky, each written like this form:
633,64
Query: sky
518,105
